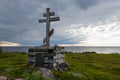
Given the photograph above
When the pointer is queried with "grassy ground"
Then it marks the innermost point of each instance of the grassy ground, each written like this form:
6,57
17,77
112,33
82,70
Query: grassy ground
92,67
14,65
82,67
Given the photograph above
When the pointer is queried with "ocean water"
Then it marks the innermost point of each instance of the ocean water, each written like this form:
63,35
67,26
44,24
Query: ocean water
15,49
101,49
70,49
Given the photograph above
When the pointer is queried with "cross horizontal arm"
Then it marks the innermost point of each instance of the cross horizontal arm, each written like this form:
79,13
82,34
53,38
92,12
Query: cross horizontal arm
44,40
54,19
42,20
51,32
50,14
51,19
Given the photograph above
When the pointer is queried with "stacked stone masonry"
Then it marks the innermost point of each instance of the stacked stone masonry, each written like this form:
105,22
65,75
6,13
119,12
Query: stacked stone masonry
48,57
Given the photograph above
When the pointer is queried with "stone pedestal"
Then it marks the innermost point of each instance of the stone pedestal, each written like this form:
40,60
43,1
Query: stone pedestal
48,57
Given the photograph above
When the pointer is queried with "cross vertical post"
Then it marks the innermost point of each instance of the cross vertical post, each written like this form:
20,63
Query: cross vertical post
47,27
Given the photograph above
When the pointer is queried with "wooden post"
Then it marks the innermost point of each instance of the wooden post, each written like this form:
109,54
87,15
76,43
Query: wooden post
47,27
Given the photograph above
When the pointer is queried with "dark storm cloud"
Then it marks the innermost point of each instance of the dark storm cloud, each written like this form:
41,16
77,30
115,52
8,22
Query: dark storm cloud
13,12
84,4
57,5
15,18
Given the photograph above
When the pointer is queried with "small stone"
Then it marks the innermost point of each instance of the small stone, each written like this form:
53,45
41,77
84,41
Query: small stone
46,74
8,69
77,74
19,79
3,78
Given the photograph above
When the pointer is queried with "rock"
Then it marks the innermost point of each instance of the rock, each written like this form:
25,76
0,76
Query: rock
3,78
19,79
8,69
63,67
77,74
46,74
89,52
76,57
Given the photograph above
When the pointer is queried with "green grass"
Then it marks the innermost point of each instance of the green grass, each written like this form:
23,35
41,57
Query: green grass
93,66
86,66
14,65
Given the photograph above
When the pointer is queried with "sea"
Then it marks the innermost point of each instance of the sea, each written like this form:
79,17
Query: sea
74,49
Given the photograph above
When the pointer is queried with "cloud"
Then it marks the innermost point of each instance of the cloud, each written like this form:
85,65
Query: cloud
5,43
99,34
16,19
85,22
84,4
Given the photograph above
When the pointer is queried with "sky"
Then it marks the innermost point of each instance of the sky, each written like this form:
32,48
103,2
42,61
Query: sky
82,22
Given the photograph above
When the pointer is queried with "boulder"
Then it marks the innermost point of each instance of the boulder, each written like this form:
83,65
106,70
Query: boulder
46,74
3,78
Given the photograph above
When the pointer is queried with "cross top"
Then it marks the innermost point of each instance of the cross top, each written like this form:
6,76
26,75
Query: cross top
48,19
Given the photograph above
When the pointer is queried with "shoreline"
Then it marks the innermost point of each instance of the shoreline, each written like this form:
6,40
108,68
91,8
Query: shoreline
74,49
